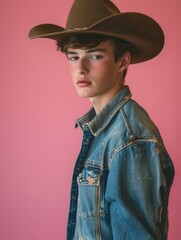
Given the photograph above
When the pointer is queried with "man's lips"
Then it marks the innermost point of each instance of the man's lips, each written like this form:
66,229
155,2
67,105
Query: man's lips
83,83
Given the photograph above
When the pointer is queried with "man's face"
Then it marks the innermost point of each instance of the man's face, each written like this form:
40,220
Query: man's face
94,71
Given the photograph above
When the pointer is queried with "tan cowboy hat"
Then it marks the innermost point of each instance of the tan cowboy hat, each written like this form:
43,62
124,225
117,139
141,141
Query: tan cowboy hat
103,17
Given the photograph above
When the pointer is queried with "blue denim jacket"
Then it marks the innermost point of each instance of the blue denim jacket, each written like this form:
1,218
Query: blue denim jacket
122,177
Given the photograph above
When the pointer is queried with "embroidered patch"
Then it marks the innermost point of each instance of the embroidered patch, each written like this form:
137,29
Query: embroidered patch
89,176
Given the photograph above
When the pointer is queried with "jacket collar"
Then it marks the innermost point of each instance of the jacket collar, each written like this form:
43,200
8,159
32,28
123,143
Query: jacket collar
97,123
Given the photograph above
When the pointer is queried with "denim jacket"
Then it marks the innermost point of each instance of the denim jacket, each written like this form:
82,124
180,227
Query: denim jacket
122,176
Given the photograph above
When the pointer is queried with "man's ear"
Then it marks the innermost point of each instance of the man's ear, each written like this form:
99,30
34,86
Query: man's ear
124,61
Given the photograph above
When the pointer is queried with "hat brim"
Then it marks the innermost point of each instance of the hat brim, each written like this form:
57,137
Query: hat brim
142,32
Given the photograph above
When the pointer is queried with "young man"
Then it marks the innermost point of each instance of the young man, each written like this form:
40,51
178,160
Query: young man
123,173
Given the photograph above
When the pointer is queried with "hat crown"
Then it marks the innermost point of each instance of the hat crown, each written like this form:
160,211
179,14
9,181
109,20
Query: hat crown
143,33
85,13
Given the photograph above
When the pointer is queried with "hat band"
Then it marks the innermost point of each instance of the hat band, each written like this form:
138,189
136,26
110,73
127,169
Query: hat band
76,29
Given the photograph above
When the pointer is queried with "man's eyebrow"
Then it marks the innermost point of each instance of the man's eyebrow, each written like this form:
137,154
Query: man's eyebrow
96,50
71,52
88,50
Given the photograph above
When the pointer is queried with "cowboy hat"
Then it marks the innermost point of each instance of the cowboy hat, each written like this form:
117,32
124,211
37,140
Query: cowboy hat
143,33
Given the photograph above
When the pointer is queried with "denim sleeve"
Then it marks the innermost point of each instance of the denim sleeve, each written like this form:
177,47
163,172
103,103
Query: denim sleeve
137,190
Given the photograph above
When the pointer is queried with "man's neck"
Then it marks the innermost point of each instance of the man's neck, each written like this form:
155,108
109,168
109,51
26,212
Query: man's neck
99,102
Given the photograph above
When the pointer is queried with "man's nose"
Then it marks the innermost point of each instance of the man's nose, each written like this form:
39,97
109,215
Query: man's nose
82,67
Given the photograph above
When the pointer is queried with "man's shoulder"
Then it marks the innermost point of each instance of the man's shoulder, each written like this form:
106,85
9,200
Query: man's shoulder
137,120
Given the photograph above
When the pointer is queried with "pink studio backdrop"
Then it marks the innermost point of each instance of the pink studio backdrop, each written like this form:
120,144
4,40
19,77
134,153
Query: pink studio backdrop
38,107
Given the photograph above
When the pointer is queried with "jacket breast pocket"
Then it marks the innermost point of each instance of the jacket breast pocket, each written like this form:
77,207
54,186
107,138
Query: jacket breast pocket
93,213
89,192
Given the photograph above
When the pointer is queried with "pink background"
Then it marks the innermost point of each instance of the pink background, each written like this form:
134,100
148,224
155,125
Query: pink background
38,107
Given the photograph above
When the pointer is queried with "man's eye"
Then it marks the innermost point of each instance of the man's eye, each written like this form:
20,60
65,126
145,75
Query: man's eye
96,57
72,58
